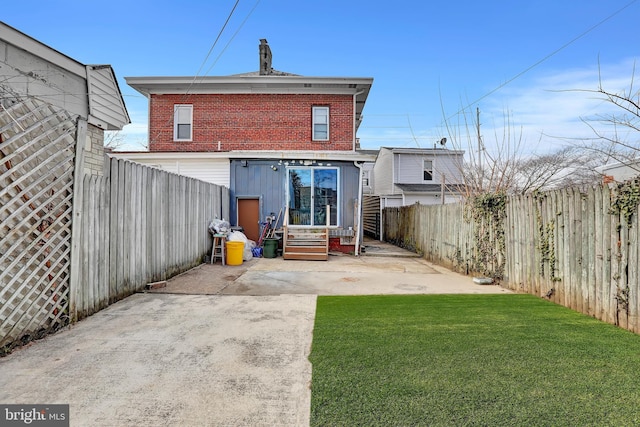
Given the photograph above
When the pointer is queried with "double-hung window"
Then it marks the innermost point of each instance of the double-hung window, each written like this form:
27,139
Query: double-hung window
320,123
427,174
183,122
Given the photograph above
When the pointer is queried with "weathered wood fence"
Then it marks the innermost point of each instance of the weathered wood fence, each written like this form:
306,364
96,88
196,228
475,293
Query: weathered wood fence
572,247
70,243
139,225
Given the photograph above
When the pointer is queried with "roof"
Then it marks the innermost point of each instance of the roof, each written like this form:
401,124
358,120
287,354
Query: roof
436,151
427,188
351,156
104,105
255,83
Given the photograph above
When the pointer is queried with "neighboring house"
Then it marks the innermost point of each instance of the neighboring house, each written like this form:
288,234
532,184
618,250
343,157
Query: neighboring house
281,142
33,69
620,171
53,114
405,176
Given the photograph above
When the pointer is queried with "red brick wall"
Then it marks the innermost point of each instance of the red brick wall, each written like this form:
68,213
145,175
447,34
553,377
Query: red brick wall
251,122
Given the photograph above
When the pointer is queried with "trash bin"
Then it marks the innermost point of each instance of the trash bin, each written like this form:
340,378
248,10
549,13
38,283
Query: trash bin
270,248
234,253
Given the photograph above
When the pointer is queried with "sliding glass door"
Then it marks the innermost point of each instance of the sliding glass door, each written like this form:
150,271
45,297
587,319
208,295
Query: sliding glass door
310,190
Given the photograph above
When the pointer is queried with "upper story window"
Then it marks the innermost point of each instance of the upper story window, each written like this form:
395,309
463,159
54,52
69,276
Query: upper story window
183,122
320,123
427,174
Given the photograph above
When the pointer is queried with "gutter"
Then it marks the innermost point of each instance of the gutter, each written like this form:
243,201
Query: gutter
359,228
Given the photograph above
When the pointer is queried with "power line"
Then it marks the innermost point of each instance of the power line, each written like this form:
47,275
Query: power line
213,45
520,74
232,37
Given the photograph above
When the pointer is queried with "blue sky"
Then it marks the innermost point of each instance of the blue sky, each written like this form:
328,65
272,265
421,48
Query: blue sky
527,62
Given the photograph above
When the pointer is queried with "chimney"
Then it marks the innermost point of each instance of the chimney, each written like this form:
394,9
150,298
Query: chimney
265,58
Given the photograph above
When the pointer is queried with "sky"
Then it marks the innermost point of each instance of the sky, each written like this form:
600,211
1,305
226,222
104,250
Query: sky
528,67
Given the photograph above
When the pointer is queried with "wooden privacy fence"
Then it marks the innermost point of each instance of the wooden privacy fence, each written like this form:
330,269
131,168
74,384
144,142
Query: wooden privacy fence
140,225
70,243
579,249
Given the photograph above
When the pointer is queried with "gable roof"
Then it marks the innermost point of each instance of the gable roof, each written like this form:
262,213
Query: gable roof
103,106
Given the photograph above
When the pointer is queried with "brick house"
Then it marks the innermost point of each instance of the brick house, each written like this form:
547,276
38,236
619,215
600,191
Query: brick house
281,142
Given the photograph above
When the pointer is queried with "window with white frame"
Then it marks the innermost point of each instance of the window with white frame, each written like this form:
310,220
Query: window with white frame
320,123
183,122
427,174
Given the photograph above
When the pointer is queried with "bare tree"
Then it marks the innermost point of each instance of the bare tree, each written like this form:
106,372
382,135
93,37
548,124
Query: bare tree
563,167
486,170
617,133
113,140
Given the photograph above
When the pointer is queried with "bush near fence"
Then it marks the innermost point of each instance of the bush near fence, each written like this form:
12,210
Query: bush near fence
578,249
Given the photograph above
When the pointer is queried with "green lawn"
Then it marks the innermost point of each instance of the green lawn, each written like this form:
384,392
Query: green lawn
469,360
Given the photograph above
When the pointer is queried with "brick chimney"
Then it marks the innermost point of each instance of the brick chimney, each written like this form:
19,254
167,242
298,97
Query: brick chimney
265,58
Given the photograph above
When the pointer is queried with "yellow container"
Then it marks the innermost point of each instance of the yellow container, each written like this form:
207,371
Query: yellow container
234,253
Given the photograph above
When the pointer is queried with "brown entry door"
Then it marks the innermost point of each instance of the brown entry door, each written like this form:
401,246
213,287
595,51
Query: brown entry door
249,217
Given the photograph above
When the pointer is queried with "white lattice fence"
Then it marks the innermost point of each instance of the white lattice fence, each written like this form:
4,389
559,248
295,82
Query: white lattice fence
37,146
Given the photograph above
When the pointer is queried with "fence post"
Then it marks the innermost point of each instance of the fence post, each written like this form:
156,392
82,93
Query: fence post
76,221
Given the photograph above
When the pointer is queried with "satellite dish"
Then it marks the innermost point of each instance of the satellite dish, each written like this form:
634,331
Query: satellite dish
443,141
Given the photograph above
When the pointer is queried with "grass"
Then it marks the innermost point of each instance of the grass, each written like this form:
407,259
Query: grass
469,360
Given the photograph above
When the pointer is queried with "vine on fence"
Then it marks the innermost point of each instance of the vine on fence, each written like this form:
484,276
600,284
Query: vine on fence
624,204
625,200
546,237
488,212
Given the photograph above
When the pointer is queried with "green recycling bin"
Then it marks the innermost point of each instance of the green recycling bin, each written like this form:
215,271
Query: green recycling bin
270,248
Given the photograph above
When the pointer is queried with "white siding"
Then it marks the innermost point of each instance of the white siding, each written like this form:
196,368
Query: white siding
383,172
621,172
46,81
105,102
409,168
367,168
451,166
390,202
215,171
429,199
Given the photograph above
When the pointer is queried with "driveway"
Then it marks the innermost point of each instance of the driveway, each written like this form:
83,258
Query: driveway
218,346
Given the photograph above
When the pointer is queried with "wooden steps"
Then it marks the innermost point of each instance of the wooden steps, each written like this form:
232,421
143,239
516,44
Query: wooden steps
310,244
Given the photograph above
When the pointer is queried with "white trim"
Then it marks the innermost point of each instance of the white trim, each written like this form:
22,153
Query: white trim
312,201
424,168
177,109
325,156
315,115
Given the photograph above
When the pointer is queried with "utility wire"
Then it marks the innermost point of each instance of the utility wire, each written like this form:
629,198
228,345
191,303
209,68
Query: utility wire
520,74
213,45
232,37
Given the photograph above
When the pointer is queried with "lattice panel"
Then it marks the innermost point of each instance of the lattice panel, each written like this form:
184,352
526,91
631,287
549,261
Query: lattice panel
37,146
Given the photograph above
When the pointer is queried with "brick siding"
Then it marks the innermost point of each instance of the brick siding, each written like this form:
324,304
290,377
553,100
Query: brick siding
251,122
94,151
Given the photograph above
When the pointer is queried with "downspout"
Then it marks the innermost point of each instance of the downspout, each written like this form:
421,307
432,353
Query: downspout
355,95
359,228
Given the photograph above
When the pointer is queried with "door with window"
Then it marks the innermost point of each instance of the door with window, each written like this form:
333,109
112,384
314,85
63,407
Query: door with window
310,190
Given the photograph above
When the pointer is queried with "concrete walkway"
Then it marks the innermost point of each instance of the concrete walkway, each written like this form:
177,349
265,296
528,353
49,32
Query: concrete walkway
218,346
